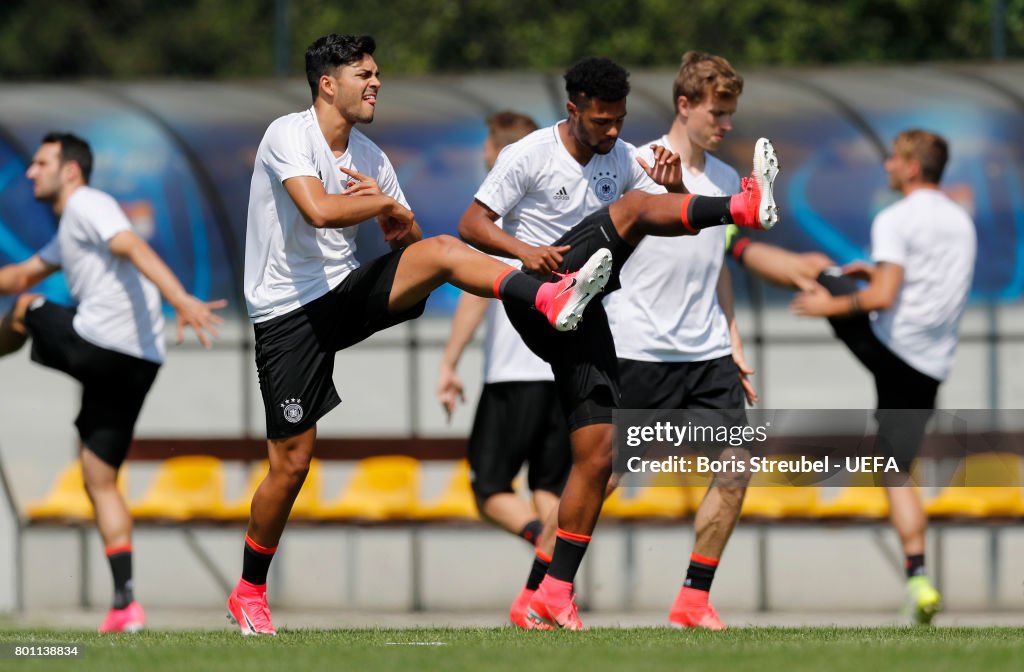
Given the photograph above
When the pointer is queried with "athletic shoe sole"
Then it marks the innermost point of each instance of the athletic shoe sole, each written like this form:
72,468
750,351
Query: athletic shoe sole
766,168
591,280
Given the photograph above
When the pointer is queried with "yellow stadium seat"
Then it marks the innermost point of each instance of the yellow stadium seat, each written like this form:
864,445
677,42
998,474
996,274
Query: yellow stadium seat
457,500
859,499
972,492
306,506
381,488
183,488
778,501
66,500
664,497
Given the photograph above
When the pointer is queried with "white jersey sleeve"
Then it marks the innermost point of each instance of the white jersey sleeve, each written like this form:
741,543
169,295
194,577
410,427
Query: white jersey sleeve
387,180
50,253
508,182
287,152
888,240
106,218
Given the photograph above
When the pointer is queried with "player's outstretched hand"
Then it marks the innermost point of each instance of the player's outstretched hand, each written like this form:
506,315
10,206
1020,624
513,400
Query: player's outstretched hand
543,258
359,184
813,301
667,169
199,315
449,390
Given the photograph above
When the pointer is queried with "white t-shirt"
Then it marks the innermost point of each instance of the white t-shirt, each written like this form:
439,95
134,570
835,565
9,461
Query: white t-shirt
933,239
667,309
288,262
118,307
541,191
506,357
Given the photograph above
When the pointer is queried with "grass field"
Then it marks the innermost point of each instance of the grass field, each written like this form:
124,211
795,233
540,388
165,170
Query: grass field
500,649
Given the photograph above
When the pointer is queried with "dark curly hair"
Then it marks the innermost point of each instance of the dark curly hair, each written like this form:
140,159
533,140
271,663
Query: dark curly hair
331,51
596,77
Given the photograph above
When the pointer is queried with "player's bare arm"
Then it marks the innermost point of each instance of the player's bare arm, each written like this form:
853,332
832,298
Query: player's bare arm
190,311
16,278
723,291
879,295
478,228
336,211
468,316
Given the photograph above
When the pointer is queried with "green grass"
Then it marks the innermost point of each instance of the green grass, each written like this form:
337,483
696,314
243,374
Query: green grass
500,649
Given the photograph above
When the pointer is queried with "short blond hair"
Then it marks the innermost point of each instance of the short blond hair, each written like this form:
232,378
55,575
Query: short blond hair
508,127
701,72
929,149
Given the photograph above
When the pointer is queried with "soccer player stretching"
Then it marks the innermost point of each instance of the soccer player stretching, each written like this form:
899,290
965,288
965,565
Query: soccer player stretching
541,186
112,342
315,179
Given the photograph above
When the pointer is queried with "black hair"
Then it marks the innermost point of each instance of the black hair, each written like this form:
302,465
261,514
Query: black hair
332,51
72,148
596,77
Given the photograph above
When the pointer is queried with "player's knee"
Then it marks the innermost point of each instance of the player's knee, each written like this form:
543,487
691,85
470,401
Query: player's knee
596,463
292,469
446,245
97,483
625,212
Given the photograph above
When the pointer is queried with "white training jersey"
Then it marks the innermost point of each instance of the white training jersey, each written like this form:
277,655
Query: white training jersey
667,309
933,239
506,357
288,262
118,308
541,191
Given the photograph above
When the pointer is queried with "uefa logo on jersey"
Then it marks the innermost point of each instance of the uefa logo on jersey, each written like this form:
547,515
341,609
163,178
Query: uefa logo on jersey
605,187
292,410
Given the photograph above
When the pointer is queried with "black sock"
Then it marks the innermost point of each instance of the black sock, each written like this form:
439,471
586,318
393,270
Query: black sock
567,558
531,531
699,575
121,570
256,563
518,286
537,572
706,211
915,565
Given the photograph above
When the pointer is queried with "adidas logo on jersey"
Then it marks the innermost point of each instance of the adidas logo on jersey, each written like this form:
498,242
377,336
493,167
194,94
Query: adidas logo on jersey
562,195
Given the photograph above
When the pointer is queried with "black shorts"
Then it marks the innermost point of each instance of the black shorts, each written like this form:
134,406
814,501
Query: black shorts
583,361
518,423
295,352
114,385
712,384
898,386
